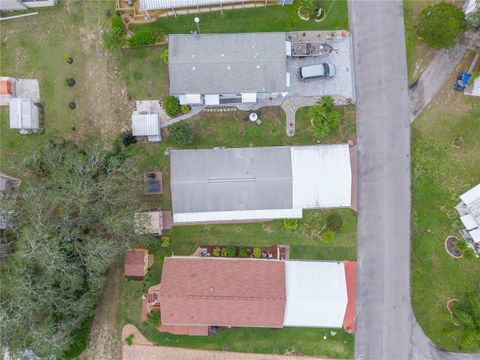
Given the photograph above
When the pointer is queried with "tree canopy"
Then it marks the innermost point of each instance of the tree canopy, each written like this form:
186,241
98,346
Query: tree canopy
74,219
441,24
324,117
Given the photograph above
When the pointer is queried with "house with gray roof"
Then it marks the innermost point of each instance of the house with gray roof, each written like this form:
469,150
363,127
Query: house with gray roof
253,184
218,69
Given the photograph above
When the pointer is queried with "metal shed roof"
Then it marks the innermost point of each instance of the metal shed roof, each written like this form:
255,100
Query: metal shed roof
227,63
316,294
23,114
145,124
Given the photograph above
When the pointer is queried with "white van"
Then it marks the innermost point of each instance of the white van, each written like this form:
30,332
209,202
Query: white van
316,71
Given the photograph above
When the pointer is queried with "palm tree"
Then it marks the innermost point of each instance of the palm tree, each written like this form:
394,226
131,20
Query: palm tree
466,318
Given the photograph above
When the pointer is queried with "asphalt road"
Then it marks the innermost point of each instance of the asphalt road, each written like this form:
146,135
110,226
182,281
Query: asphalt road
386,328
384,318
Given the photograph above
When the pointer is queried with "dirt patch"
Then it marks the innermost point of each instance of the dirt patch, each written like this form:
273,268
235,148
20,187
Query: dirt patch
107,101
104,339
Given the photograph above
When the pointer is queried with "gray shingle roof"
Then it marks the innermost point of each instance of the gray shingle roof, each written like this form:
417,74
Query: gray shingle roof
227,63
231,179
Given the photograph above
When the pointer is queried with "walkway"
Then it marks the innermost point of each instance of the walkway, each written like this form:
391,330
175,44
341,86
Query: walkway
195,110
437,72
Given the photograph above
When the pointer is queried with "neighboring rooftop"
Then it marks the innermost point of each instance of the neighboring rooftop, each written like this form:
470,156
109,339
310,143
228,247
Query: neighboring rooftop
241,184
222,292
470,215
196,293
8,182
24,114
227,63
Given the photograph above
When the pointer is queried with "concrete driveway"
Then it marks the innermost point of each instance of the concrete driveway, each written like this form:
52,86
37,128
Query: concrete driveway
340,85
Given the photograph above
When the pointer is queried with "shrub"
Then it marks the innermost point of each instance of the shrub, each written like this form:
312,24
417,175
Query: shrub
70,81
128,138
164,56
324,118
115,38
242,252
441,24
231,251
68,59
181,133
165,241
153,318
216,251
171,106
129,340
257,252
290,224
309,7
79,341
147,37
185,109
328,236
334,221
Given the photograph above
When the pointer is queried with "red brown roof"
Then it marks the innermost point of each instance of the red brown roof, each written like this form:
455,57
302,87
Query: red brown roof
350,276
5,88
222,292
135,263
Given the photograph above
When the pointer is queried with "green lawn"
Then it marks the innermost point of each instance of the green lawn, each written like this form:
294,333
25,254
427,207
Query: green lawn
272,18
440,173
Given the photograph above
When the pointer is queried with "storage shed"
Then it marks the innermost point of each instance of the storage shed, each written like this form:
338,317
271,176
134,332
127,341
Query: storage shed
146,125
24,115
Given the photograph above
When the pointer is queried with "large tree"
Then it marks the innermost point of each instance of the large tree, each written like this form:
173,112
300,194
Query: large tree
441,24
76,219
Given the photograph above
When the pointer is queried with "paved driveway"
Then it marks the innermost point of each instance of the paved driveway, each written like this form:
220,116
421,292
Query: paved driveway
340,85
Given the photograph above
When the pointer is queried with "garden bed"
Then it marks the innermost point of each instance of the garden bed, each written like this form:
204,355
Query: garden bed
451,247
274,252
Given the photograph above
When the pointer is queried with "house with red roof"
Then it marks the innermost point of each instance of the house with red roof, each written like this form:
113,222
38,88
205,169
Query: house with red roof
196,294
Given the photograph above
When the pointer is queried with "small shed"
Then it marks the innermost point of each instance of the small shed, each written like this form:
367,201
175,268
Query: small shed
24,115
147,125
136,263
153,222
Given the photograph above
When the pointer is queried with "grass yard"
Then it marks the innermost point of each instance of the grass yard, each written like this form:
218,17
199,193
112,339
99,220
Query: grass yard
232,130
440,173
272,18
102,106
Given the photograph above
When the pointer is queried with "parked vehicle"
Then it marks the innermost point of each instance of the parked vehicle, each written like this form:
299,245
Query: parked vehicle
316,71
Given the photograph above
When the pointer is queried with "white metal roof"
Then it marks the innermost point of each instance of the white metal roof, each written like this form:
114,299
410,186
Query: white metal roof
475,234
316,294
168,4
471,195
244,215
145,124
212,99
23,114
476,87
469,222
322,176
249,97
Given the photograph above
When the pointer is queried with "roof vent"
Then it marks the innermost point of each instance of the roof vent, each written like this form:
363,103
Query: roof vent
193,68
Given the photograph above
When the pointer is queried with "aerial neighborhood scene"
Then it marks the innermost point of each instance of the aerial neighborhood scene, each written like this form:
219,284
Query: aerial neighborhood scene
240,179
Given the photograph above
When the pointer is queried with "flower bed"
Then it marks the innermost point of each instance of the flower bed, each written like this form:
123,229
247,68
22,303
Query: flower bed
270,252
